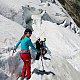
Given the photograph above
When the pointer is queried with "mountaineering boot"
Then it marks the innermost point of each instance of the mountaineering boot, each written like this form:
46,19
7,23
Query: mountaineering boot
25,78
20,78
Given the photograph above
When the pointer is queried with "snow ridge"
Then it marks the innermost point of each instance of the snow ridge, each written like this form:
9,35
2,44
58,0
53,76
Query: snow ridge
47,19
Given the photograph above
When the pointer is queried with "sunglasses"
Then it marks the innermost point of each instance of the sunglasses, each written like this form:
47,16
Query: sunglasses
27,32
30,32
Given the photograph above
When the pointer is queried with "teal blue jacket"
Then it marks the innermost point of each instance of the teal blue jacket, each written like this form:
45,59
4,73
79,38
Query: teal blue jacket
25,43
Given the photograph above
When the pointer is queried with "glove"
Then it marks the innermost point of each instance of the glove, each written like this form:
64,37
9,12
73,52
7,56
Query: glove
14,49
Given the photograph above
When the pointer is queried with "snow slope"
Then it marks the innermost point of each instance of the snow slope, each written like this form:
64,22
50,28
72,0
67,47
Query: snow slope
68,43
58,52
10,32
62,44
17,4
13,9
62,58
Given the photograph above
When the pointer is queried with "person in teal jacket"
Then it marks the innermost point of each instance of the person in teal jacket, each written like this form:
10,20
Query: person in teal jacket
25,55
25,43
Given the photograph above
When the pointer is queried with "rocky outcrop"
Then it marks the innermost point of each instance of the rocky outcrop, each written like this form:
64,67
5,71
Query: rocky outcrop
73,8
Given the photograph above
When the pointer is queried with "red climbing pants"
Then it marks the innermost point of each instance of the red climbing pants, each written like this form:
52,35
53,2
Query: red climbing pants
26,70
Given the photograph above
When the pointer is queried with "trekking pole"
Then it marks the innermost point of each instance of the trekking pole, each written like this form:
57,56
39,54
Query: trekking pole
42,61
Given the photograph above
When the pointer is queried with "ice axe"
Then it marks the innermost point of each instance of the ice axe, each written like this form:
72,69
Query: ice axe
42,61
